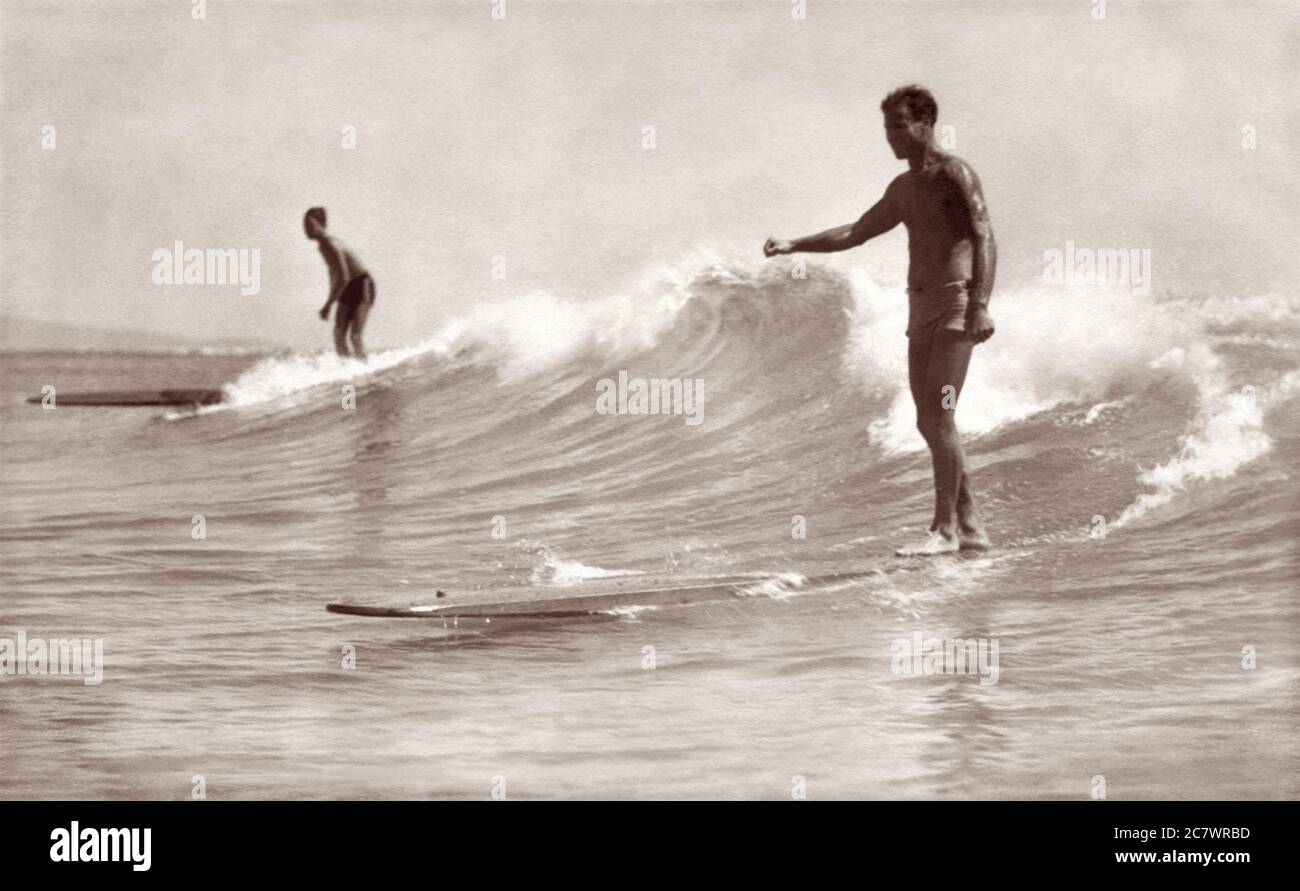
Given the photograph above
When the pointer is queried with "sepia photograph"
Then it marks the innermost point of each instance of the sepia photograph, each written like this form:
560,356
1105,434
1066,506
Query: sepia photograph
590,400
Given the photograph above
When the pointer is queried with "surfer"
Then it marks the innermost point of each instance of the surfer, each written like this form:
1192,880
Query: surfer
350,285
951,261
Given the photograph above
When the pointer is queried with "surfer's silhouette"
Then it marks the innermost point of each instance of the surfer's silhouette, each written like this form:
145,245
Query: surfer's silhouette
350,285
951,261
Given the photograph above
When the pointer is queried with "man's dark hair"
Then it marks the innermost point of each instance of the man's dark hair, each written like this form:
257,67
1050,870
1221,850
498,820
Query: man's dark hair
314,213
917,100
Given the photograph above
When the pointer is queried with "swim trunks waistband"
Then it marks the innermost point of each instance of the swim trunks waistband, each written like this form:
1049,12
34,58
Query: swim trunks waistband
930,289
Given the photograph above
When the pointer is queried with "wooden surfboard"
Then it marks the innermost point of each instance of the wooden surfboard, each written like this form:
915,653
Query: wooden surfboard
135,397
553,603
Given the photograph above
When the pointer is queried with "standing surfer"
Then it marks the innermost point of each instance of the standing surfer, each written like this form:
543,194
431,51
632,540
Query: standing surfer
951,261
350,284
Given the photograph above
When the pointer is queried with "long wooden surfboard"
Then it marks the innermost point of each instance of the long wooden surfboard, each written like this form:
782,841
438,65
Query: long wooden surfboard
136,397
561,603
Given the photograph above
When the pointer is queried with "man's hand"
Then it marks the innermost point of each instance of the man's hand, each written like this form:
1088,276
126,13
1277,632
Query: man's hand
979,324
773,246
325,313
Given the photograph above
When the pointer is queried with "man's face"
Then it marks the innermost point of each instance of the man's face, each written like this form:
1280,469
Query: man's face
905,135
311,227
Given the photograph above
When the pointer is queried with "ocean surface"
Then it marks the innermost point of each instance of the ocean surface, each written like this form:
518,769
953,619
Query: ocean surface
1133,456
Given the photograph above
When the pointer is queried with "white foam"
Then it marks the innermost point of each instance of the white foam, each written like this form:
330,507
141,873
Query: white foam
281,376
1095,412
628,612
1052,346
1268,309
525,334
1226,434
778,587
541,330
559,572
1061,346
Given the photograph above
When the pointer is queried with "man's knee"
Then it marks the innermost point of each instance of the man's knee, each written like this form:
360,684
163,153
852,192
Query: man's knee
936,424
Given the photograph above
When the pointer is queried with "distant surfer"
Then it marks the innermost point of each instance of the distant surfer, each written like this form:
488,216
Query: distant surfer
951,261
350,285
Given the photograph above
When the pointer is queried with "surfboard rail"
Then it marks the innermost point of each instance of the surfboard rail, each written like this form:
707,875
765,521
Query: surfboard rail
119,398
558,603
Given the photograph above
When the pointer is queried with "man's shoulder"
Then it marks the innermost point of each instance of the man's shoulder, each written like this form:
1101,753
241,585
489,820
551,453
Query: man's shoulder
967,183
960,171
342,248
899,186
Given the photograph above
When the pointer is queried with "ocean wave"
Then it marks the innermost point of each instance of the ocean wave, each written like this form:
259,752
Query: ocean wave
1226,434
769,345
280,376
1051,348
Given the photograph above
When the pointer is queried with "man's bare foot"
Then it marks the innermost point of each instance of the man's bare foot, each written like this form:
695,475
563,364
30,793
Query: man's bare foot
937,543
973,540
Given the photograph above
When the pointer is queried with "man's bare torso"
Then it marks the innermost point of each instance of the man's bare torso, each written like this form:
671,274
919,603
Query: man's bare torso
930,203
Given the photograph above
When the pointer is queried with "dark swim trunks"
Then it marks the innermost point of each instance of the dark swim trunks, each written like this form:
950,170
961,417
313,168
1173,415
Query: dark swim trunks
936,308
360,290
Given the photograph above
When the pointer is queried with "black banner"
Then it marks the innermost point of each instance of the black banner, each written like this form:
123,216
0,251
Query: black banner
334,840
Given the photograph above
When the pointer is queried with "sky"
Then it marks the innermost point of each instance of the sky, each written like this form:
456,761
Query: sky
518,145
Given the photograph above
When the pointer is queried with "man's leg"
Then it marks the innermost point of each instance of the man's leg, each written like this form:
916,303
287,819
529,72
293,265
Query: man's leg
359,316
937,366
945,376
921,350
969,528
918,368
342,318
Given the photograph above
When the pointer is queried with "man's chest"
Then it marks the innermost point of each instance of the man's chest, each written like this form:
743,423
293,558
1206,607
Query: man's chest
931,200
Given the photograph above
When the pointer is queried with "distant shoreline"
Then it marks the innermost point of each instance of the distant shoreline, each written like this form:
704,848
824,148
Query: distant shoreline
24,334
146,351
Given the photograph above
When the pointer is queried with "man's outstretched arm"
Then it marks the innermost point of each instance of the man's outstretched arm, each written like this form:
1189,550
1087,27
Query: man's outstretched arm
882,217
984,251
